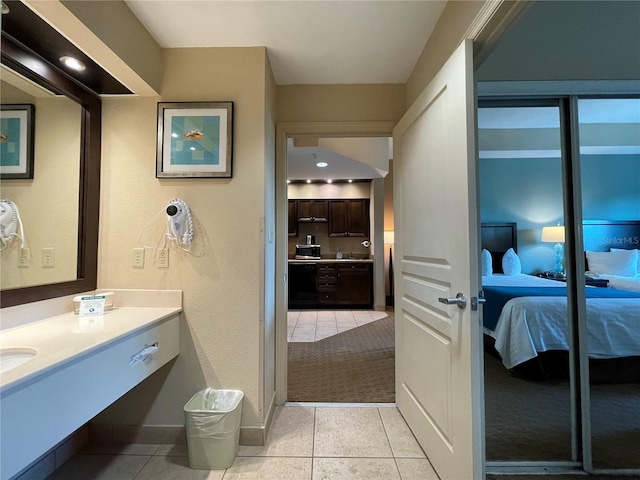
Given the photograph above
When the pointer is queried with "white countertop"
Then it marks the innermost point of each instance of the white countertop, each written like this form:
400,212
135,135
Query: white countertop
66,337
62,337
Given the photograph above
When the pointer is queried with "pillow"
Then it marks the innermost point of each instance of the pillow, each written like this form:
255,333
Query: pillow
624,250
487,263
511,263
623,263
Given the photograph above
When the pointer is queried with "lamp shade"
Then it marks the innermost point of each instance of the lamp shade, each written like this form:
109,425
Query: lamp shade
553,234
388,237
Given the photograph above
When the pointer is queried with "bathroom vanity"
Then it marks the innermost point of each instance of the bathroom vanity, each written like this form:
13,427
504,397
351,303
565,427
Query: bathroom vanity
60,371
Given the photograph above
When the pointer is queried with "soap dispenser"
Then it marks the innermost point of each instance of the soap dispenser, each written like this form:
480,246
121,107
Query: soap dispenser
339,255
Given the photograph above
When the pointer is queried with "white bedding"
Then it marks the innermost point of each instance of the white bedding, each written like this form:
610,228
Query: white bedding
631,284
528,325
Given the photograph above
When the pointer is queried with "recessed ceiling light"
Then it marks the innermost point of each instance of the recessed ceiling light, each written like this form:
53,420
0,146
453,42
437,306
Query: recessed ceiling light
308,181
329,181
73,63
321,164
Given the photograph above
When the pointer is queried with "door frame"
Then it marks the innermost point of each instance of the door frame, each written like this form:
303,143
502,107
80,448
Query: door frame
284,130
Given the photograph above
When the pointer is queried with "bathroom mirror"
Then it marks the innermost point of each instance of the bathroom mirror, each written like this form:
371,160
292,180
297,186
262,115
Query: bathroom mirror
56,162
76,203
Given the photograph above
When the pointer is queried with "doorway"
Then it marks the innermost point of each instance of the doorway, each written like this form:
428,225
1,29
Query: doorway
285,131
340,336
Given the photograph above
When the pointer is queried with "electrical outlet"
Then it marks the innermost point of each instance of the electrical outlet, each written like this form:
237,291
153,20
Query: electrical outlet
162,257
138,257
24,260
49,257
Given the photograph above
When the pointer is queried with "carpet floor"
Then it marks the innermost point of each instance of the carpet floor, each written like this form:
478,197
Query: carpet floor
356,366
530,420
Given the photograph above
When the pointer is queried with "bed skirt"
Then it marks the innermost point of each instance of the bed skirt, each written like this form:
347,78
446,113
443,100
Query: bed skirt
554,366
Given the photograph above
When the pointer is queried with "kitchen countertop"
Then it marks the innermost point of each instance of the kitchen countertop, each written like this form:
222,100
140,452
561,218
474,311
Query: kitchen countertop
332,260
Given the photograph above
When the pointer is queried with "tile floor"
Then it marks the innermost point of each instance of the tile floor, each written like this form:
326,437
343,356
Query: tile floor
305,443
314,325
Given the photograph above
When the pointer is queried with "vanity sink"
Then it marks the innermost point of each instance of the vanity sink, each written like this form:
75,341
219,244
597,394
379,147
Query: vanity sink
12,357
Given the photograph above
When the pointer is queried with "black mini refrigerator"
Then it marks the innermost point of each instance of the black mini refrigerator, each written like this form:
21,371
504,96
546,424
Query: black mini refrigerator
302,285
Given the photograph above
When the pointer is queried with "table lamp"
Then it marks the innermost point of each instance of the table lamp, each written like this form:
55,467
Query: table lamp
555,235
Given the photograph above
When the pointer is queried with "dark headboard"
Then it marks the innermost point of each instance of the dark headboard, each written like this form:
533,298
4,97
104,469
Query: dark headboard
600,235
498,238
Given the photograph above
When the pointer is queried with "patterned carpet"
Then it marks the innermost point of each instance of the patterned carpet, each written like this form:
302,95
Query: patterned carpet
356,366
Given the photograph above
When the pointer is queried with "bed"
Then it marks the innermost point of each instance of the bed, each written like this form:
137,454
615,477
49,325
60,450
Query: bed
525,317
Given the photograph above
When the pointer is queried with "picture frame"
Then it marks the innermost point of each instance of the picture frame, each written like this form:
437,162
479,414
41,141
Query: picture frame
195,140
17,141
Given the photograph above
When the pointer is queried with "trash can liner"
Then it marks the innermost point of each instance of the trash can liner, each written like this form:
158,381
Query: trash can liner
212,423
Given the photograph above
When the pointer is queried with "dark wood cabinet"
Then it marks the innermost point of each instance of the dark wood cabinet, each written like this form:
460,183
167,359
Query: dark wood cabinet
312,211
354,284
346,284
326,284
349,218
293,218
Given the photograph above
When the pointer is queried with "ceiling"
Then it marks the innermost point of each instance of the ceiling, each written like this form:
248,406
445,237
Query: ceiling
308,42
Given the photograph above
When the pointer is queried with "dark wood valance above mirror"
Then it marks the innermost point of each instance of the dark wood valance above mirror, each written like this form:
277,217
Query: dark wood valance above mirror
28,63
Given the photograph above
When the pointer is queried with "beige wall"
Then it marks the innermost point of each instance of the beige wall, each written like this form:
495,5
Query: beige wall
340,103
115,25
222,290
446,36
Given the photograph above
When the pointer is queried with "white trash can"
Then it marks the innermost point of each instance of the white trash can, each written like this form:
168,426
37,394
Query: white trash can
212,421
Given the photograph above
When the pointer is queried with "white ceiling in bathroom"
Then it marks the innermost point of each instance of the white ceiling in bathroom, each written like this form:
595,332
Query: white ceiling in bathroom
308,42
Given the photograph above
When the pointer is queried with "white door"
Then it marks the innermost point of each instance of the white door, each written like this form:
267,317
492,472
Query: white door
438,355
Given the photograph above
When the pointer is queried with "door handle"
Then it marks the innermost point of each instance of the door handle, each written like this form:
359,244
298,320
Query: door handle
459,300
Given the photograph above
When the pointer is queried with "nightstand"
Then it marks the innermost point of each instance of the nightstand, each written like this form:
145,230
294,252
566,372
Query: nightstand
597,282
591,282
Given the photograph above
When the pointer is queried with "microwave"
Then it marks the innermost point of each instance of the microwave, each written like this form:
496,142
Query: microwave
308,252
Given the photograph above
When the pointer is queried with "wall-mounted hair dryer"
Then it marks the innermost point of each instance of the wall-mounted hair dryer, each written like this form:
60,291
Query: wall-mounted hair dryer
365,243
179,224
10,224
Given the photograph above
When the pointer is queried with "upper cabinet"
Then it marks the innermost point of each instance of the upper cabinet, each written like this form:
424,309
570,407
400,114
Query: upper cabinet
349,218
293,218
312,211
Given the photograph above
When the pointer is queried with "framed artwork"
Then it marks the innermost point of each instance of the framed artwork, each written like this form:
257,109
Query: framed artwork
195,139
16,141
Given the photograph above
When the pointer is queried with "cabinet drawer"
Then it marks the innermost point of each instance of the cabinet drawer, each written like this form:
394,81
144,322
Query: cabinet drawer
353,267
327,298
326,279
324,268
326,287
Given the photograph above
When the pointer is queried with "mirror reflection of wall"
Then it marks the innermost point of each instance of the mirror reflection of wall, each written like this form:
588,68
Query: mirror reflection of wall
48,203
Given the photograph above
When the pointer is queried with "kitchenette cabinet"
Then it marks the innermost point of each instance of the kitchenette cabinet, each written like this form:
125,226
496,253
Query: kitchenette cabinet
293,218
354,284
312,211
331,284
349,218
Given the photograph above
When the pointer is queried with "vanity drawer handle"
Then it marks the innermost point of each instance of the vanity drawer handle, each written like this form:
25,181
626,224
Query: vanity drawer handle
144,353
